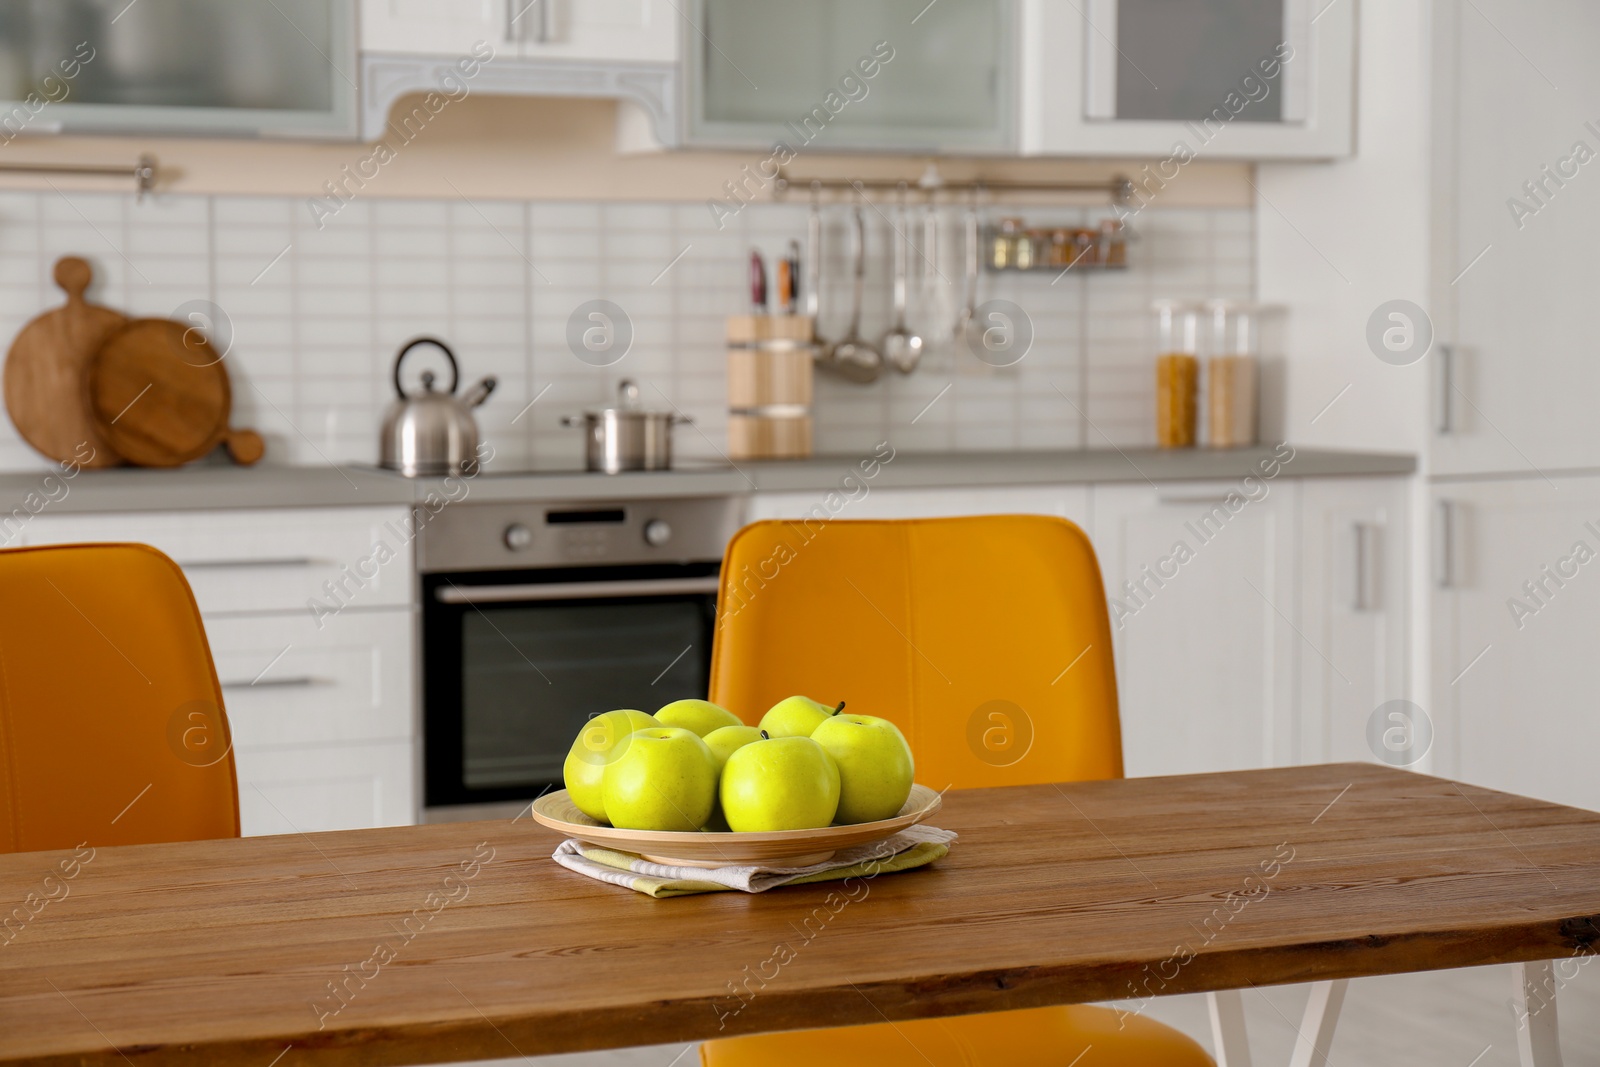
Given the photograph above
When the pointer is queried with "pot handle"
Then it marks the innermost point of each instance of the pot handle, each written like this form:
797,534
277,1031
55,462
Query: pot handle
683,418
572,420
455,370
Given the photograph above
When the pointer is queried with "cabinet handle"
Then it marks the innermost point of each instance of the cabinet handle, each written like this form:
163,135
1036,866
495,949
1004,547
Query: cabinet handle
1361,602
1444,554
300,682
1170,499
547,21
214,564
1447,388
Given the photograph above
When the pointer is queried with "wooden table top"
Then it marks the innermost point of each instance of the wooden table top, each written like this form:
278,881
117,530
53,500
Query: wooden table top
465,941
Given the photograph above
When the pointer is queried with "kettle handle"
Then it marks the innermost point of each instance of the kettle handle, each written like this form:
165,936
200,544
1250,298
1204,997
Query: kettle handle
455,370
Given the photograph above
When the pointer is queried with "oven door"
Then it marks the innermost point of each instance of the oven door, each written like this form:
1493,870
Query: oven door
514,662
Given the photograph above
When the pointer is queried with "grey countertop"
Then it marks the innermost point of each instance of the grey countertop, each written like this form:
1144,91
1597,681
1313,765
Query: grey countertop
206,486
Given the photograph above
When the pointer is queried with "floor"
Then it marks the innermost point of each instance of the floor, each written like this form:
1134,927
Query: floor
1443,1019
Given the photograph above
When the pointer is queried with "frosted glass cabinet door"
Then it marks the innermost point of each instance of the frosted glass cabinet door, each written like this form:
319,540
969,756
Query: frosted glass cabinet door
1236,78
881,74
252,67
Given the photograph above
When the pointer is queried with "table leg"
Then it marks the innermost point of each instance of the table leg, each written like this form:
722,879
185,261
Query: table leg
1538,1042
1316,1029
1227,1029
1314,1035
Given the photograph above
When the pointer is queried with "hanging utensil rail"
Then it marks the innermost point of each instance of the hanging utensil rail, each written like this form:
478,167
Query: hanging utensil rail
1118,188
143,172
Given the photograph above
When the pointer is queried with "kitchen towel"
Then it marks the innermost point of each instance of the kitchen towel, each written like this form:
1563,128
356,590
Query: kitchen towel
914,846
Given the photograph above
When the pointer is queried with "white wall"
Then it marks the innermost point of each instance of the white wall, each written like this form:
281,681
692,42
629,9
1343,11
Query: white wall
317,314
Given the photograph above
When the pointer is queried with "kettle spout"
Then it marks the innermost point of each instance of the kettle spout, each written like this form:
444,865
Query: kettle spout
480,392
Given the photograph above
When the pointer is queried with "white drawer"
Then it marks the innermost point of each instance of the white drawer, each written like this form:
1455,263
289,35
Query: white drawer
274,559
326,787
286,682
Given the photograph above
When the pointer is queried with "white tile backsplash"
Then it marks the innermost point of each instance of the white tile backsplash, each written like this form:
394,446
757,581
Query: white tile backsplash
317,314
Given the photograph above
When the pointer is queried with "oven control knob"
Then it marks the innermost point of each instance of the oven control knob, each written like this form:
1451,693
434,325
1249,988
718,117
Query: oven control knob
657,532
518,537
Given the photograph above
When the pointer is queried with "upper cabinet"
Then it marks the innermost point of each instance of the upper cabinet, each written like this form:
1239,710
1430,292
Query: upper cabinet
629,31
1221,79
1515,227
245,68
885,75
623,50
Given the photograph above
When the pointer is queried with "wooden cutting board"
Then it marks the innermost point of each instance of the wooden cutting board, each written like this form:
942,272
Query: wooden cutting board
159,393
45,370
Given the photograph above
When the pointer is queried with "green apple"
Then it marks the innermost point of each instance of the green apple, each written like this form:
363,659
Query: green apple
665,779
602,739
722,742
875,765
795,717
699,717
779,783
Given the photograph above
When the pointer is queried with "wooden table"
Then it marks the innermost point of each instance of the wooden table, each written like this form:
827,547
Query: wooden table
464,941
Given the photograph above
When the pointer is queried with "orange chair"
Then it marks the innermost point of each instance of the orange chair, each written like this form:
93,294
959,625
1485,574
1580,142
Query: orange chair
111,723
987,641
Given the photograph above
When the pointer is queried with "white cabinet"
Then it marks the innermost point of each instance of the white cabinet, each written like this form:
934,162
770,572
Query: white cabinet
883,75
310,788
287,681
308,615
1516,619
1067,501
284,68
438,27
1243,79
264,560
629,31
1355,595
1202,588
1517,219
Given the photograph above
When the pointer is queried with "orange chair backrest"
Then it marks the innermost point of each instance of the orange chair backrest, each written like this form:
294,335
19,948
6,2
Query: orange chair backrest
986,639
111,723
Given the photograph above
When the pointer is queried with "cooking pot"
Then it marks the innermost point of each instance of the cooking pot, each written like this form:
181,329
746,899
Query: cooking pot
432,433
626,437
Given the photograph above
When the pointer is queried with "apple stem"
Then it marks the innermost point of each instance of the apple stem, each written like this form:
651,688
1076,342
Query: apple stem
840,708
765,736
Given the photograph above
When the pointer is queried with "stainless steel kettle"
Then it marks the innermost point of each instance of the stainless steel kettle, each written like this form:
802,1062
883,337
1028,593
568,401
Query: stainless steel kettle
432,433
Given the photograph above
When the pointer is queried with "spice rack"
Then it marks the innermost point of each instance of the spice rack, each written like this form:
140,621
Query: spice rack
1013,246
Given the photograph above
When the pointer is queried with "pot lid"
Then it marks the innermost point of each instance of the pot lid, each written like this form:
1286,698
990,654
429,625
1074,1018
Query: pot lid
628,404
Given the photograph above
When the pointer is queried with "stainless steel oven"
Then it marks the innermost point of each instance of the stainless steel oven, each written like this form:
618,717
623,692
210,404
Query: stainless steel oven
537,616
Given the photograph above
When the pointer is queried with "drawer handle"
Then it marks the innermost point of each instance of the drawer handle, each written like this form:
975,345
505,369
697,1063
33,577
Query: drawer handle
1166,500
304,681
211,564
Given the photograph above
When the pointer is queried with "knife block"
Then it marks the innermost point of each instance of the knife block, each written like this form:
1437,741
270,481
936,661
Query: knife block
770,386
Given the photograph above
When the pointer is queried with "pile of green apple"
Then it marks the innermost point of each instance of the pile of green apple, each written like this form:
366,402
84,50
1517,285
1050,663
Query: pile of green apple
696,766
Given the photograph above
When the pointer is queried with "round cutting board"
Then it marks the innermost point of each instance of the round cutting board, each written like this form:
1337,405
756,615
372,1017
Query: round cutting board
158,391
45,370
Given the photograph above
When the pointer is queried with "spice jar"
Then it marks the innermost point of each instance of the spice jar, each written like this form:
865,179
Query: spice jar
1177,372
1113,243
1005,245
1062,248
1032,249
1231,373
